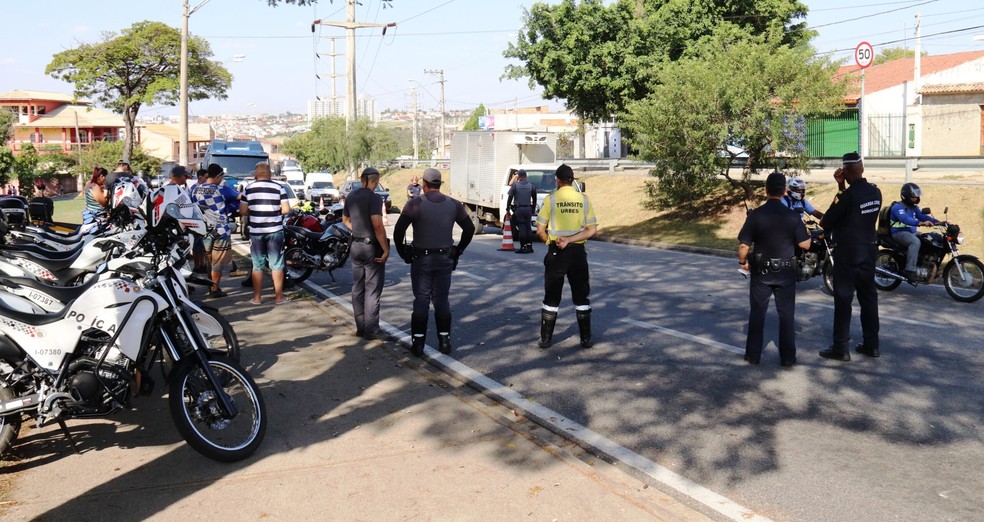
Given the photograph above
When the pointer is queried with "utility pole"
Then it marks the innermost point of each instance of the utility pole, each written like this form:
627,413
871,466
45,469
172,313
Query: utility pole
350,26
186,13
416,138
333,99
440,74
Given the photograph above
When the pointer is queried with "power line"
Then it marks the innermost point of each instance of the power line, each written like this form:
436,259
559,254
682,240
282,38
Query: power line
872,14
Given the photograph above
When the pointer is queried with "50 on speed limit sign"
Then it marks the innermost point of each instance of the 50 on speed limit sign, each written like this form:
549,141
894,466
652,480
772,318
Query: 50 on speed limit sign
864,54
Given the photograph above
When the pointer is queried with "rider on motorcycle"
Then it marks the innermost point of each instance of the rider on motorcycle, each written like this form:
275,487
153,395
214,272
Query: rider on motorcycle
905,217
795,198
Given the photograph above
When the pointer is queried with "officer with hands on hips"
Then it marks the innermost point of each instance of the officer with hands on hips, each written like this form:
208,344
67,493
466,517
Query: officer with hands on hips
852,219
520,201
774,230
432,257
565,221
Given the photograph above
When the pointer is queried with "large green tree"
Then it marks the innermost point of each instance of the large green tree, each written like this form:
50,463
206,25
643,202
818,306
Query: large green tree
600,55
730,93
140,66
327,146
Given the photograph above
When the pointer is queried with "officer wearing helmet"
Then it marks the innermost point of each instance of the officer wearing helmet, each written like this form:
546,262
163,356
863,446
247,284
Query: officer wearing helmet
851,218
795,198
905,217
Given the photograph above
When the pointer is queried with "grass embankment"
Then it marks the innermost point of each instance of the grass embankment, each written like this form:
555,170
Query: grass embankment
712,223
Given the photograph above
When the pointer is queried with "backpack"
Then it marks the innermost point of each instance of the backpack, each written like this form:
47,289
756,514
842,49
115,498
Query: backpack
885,219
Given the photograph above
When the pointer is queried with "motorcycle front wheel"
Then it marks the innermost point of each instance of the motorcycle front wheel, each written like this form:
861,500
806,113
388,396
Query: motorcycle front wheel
888,262
827,273
9,425
968,288
197,413
295,272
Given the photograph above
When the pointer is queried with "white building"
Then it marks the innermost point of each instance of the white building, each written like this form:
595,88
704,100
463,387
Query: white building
365,107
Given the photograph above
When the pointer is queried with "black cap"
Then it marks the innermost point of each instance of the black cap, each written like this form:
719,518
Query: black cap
179,171
565,173
775,183
370,170
521,173
215,170
852,157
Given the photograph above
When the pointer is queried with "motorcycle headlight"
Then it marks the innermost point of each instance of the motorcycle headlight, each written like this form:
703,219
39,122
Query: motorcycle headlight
960,238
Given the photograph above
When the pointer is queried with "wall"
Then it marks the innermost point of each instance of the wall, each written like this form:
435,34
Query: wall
951,125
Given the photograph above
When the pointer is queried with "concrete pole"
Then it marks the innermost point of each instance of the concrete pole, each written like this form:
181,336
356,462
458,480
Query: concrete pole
416,138
442,143
183,95
350,64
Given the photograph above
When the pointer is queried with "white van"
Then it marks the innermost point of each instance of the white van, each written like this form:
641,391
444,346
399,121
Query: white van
295,178
319,185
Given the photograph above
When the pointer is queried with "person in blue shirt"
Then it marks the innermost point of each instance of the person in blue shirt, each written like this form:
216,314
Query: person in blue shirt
905,217
215,199
795,198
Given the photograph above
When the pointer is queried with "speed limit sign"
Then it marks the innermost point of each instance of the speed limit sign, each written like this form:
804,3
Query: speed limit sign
864,54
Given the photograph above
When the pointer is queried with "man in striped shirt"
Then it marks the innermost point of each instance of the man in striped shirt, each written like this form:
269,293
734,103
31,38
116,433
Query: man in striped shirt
263,206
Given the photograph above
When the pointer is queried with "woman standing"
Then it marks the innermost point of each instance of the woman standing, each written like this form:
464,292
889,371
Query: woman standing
96,198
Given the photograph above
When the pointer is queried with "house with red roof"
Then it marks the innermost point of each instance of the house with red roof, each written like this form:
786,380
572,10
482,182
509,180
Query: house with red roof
55,122
938,111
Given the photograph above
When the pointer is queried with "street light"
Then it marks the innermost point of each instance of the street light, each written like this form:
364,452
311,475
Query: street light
186,13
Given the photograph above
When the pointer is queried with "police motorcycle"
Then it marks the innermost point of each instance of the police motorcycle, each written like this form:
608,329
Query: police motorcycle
121,231
92,357
963,274
314,243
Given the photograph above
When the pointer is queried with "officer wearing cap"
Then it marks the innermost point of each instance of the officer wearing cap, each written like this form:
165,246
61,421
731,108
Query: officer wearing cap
565,221
363,214
520,201
432,257
179,177
774,230
852,219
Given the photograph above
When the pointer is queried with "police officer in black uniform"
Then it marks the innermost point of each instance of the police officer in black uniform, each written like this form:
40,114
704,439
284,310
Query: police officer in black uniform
432,257
363,214
852,219
520,201
774,230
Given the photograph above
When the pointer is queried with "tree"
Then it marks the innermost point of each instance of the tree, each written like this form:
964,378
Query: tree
140,67
730,92
327,146
24,169
6,125
472,123
599,57
894,53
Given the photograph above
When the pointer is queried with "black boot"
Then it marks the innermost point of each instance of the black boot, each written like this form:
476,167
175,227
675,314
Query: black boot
547,322
418,333
443,323
529,248
444,343
584,327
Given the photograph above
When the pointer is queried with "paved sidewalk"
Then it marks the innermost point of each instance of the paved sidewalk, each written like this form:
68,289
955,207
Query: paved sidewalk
358,430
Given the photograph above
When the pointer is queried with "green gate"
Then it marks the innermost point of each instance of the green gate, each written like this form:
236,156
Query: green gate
833,136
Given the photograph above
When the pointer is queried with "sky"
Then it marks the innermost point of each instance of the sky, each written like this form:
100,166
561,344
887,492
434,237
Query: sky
274,56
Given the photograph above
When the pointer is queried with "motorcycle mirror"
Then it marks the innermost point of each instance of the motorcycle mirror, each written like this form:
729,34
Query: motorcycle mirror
927,210
324,212
946,210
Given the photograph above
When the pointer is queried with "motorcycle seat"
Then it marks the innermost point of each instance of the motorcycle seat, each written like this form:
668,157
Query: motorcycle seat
44,236
301,231
53,265
39,252
886,241
61,293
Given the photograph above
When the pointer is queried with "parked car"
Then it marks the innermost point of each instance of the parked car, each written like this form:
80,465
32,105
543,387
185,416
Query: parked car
298,186
349,186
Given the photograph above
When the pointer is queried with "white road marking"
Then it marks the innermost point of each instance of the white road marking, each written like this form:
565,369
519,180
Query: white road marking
472,276
567,428
883,317
681,335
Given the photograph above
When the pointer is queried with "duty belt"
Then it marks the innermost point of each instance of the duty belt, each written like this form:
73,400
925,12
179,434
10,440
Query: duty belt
429,251
365,240
775,264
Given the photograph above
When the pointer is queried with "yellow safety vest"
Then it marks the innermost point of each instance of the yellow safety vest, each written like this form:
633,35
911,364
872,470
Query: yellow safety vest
566,212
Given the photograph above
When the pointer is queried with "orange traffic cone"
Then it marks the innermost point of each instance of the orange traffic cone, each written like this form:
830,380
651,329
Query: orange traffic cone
386,220
507,239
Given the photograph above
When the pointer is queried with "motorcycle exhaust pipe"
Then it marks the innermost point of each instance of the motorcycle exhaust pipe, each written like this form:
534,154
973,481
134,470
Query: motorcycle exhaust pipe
19,404
887,273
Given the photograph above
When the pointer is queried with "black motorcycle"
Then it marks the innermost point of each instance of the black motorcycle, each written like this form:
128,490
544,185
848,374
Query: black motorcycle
963,275
818,260
312,243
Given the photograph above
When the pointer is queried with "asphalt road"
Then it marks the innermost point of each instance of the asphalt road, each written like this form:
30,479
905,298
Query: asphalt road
897,437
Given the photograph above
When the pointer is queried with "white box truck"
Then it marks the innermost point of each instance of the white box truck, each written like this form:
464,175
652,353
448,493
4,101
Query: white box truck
483,162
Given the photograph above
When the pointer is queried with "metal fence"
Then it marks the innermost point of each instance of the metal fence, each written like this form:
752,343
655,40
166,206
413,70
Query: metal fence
886,135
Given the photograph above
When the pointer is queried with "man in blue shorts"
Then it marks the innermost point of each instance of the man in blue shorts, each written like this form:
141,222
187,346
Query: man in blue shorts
215,198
